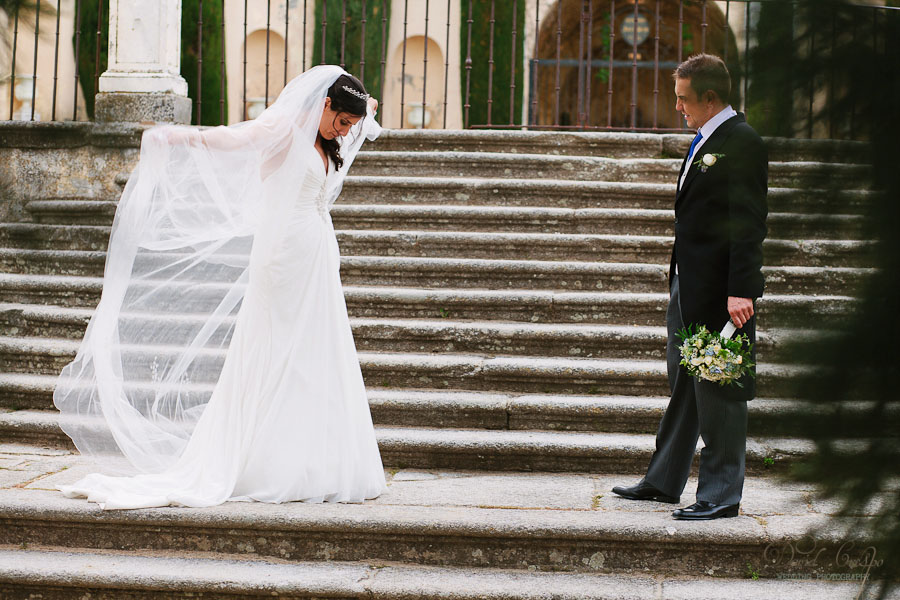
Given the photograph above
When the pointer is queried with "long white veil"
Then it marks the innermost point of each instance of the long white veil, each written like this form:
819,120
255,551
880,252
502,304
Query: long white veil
176,271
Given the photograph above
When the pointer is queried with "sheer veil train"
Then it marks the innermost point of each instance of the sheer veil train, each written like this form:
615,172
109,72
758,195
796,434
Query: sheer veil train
219,363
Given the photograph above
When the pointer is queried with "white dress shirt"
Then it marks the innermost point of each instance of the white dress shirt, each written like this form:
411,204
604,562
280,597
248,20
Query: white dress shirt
707,130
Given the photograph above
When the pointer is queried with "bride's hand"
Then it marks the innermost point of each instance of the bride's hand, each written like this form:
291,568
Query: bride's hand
373,104
183,135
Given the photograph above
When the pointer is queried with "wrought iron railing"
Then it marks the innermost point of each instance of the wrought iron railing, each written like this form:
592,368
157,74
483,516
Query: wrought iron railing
537,64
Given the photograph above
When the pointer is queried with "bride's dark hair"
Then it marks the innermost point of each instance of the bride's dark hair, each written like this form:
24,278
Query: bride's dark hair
343,101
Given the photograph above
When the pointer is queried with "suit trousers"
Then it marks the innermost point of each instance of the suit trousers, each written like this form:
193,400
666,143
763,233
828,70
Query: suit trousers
698,409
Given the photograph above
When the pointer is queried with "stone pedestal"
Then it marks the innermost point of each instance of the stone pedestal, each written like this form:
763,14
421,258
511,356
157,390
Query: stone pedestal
143,80
139,107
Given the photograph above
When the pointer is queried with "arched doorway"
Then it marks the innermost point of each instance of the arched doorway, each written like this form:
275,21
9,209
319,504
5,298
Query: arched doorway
415,115
257,96
585,96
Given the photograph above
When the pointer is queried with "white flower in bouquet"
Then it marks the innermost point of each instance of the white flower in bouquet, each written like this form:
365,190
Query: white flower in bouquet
712,357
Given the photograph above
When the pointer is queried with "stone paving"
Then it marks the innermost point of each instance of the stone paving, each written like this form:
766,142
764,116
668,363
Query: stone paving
432,502
42,469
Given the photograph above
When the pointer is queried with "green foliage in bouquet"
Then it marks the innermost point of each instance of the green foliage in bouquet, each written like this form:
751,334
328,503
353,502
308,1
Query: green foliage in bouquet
708,355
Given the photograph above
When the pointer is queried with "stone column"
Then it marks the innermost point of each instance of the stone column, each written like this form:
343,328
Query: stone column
143,80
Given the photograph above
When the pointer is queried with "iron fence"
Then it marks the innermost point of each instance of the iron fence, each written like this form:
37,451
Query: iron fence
580,65
27,22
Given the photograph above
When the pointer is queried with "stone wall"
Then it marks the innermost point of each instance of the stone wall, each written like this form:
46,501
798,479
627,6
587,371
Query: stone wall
63,160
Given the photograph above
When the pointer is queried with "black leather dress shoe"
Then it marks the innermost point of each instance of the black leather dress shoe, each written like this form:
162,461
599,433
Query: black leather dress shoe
645,491
705,511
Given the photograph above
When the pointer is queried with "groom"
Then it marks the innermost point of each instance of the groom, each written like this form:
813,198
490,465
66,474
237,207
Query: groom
715,275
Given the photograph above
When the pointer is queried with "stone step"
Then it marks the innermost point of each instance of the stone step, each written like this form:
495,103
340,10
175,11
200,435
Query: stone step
585,247
503,246
61,290
480,449
73,211
526,374
456,191
501,165
527,339
610,221
606,144
62,574
600,308
523,521
593,221
452,273
570,275
435,336
34,135
581,231
559,193
56,237
20,393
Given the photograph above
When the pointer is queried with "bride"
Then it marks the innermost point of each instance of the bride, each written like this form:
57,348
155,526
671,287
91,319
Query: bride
220,363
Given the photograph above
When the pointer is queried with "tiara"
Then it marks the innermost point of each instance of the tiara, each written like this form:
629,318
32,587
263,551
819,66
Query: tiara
356,93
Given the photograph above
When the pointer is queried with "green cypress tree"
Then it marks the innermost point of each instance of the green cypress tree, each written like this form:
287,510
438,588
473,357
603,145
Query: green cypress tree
211,77
88,66
770,97
477,77
335,30
853,394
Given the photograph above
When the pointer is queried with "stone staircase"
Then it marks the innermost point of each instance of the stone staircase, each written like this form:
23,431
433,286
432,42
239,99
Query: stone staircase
507,292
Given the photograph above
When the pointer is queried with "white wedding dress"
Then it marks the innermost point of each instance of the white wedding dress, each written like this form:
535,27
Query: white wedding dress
244,300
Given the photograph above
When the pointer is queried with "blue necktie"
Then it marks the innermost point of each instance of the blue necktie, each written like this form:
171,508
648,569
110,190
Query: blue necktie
696,141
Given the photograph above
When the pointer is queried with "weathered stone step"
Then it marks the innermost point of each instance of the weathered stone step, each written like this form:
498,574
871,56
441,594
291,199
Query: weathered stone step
500,165
21,393
35,134
609,221
538,522
599,308
517,274
435,336
520,339
586,247
526,374
541,374
461,191
502,246
53,236
441,273
61,574
62,290
481,449
607,144
559,193
579,231
569,275
73,212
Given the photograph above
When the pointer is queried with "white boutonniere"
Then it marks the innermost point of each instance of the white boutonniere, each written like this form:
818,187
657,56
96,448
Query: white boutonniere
707,160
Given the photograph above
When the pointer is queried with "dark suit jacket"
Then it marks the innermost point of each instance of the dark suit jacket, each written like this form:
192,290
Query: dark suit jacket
720,224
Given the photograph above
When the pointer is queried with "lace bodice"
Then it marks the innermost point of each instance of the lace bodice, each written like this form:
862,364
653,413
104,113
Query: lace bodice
322,200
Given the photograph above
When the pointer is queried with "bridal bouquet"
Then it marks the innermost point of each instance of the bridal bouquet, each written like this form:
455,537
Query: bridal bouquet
716,356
